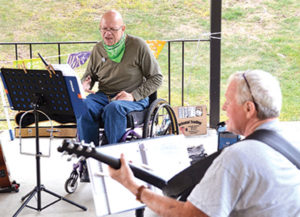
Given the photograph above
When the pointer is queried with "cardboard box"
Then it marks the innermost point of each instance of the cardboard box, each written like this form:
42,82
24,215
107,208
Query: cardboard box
191,119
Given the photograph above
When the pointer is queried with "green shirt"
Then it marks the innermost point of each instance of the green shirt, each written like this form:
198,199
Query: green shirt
138,73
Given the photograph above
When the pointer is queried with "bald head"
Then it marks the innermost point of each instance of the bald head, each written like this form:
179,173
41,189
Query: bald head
112,27
112,16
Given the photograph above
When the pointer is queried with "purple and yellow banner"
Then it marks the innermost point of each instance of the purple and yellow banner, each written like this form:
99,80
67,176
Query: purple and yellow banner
29,63
156,46
77,59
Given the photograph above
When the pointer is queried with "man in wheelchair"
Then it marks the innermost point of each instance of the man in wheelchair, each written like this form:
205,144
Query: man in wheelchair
127,73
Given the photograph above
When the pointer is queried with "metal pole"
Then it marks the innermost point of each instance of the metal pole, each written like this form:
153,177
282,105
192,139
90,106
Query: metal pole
182,73
37,157
59,59
30,50
215,62
16,51
169,72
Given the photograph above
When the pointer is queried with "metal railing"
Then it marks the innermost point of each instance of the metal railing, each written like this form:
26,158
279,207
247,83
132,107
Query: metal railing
16,45
31,45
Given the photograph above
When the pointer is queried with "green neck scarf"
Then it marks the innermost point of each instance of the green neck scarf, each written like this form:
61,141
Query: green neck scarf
116,51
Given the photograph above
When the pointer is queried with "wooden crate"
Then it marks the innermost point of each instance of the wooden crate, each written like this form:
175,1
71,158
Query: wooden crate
58,131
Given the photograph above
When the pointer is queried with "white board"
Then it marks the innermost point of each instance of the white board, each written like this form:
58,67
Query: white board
166,156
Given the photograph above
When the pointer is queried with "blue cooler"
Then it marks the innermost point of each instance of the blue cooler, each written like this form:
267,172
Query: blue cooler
225,138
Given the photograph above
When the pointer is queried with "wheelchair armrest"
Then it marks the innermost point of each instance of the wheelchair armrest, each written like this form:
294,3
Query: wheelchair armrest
136,118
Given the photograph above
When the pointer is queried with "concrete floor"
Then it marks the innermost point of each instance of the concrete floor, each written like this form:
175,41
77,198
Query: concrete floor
56,169
54,172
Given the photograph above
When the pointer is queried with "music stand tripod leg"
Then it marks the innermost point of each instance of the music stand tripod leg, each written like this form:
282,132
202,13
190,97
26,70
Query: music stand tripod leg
29,195
24,197
64,199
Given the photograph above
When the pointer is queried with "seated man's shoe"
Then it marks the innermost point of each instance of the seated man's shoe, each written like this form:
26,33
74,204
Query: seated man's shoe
103,140
84,175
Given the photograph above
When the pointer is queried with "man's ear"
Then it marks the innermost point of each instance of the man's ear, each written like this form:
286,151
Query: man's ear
249,108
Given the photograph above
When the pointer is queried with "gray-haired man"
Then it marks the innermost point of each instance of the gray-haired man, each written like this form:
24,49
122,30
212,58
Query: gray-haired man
248,178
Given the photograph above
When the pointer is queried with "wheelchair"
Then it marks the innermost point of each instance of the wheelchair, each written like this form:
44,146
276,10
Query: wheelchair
158,119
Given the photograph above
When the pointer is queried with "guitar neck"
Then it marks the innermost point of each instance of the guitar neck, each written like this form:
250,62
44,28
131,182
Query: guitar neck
182,183
139,173
86,151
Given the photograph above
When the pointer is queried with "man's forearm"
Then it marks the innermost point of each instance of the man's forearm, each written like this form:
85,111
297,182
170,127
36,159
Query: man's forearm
163,206
169,207
148,87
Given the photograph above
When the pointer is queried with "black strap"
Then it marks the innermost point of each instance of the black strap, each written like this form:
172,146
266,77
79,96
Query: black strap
278,143
183,182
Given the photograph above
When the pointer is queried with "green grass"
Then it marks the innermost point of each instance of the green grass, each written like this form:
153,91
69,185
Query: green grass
255,34
233,14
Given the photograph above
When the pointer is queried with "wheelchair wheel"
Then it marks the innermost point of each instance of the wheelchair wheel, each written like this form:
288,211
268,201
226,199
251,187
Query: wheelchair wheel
71,185
160,120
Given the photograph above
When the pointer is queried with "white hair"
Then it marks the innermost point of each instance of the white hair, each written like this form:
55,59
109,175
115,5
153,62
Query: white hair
265,90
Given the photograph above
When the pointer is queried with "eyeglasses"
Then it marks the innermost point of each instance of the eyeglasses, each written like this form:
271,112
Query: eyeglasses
111,30
247,83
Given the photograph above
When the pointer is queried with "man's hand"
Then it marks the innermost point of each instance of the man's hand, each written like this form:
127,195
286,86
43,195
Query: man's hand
86,84
123,95
124,175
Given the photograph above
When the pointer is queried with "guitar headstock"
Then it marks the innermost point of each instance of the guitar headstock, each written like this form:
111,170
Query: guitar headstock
72,147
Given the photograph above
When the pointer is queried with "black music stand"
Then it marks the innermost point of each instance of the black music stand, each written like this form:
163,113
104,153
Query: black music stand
38,90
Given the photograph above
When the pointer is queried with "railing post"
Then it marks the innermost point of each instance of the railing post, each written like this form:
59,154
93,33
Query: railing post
169,72
182,73
30,50
58,48
16,51
215,62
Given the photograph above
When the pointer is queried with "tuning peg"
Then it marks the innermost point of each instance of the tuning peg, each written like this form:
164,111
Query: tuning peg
72,156
64,153
79,148
82,158
92,144
71,146
89,149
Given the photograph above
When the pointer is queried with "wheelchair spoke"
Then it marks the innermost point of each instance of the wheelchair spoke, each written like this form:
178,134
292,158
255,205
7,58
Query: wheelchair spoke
160,121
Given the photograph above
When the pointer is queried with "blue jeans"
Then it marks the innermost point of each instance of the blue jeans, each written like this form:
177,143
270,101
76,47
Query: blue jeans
112,113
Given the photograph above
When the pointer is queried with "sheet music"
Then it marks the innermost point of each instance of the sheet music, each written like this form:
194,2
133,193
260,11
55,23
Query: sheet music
110,196
74,87
166,156
68,71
